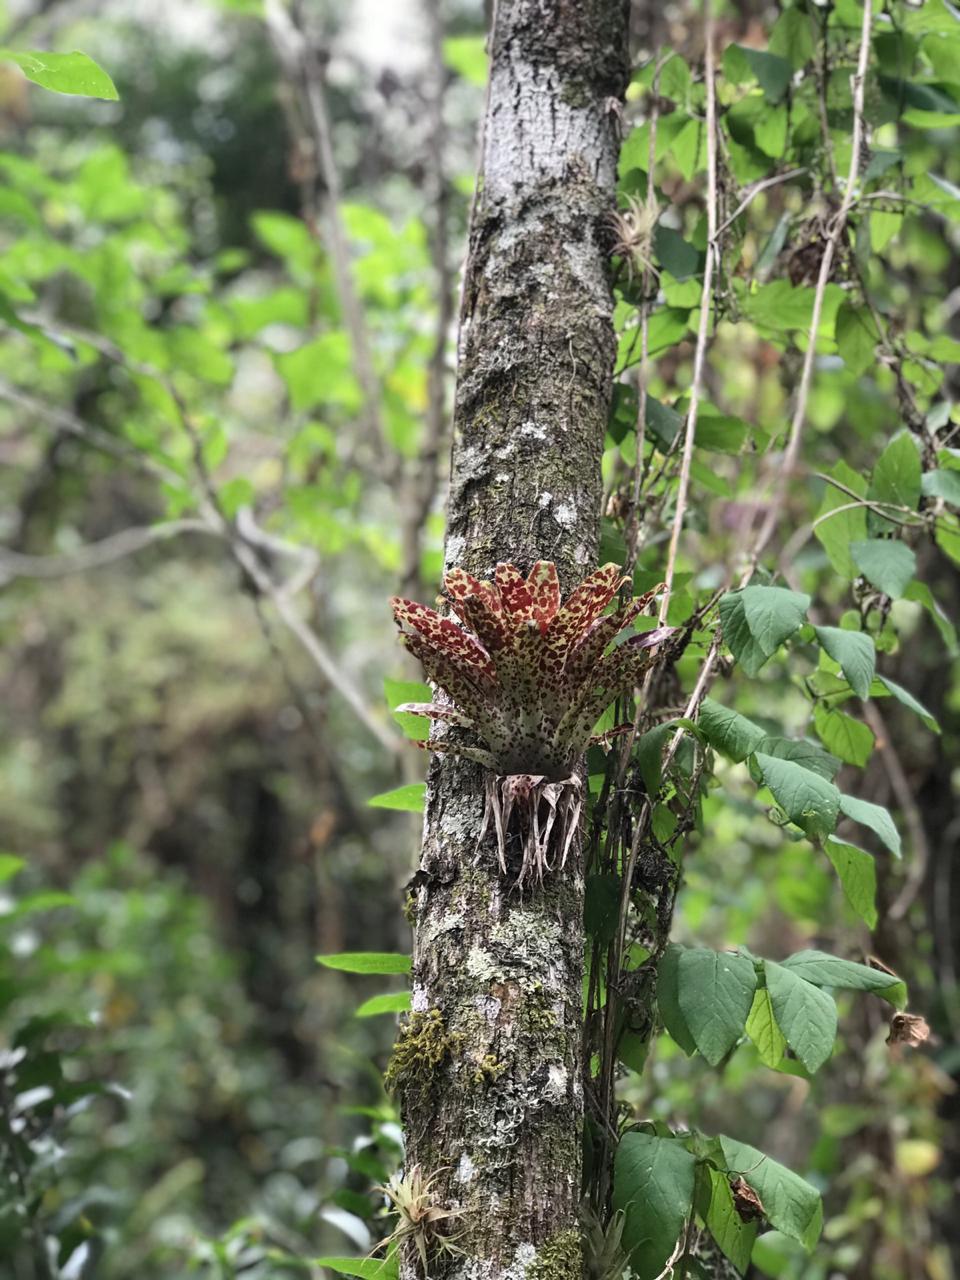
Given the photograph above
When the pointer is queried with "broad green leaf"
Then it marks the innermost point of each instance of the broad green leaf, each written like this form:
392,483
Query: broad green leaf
320,372
807,799
836,532
408,799
792,37
734,1237
830,971
731,733
715,991
668,1002
798,750
886,563
763,1030
791,1204
389,1002
72,73
379,962
942,484
906,698
897,474
857,337
676,255
851,740
856,654
858,876
757,620
653,1183
875,817
365,1268
806,1015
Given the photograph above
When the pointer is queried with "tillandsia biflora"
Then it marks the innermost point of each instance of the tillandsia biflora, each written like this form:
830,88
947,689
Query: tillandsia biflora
530,677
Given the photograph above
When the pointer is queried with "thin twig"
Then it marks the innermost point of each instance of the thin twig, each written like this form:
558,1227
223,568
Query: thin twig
837,230
303,69
754,191
703,329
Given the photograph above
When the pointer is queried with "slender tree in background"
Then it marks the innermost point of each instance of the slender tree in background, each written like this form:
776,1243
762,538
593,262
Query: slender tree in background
496,973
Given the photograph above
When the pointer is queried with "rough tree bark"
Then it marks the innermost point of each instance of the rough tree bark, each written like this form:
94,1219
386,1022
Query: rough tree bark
488,1067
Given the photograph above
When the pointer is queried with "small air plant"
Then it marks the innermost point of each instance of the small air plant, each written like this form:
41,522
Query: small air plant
530,677
420,1220
634,227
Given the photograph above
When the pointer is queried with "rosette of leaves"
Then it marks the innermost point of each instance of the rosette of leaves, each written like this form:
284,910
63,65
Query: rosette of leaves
529,677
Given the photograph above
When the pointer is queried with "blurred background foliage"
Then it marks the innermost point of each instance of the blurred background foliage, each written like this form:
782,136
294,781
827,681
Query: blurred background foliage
182,783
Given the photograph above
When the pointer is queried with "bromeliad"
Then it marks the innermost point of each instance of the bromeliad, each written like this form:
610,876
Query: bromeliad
530,677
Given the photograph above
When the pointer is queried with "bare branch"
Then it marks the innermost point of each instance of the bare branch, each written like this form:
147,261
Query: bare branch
95,555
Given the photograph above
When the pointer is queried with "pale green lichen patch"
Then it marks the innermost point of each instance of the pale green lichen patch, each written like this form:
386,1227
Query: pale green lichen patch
423,1045
559,1258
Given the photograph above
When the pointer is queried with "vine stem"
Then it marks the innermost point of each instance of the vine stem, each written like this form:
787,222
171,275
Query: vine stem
703,327
837,229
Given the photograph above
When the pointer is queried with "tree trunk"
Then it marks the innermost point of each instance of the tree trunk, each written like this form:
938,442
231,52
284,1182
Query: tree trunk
489,1066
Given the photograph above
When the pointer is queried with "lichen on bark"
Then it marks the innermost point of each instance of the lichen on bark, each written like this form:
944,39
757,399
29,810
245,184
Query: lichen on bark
535,360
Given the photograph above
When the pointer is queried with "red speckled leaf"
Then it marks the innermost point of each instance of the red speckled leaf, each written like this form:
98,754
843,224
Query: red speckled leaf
544,587
610,676
443,634
515,596
469,689
490,627
586,603
436,711
459,584
598,635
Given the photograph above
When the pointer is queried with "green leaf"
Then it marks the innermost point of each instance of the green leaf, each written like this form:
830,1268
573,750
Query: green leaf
792,37
663,421
366,962
875,817
897,474
858,876
467,55
837,532
734,1237
791,1204
763,1030
320,372
365,1268
857,337
806,754
847,738
72,73
601,906
676,255
653,1183
417,728
906,698
806,1015
715,992
408,799
10,864
856,654
807,799
830,971
942,484
887,564
649,752
390,1002
727,730
757,620
668,1002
